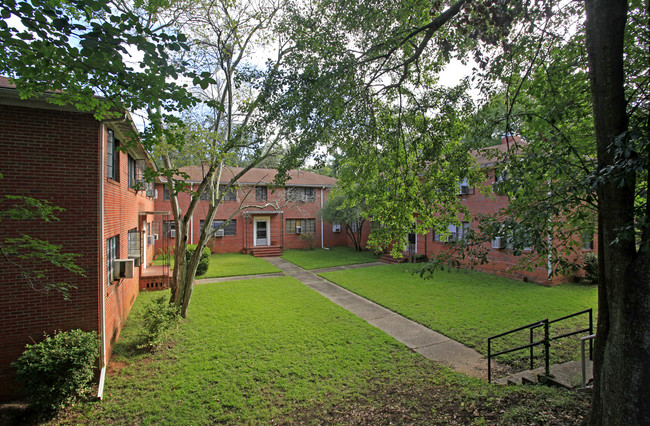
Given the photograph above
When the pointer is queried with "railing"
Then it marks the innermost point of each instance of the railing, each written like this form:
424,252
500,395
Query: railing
546,341
584,364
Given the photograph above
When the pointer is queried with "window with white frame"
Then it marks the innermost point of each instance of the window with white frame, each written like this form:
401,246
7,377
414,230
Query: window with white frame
229,229
170,228
306,226
112,157
136,173
299,194
165,193
463,187
261,193
230,195
112,253
134,243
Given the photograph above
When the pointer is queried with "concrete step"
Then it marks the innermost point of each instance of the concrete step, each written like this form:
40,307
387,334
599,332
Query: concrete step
567,375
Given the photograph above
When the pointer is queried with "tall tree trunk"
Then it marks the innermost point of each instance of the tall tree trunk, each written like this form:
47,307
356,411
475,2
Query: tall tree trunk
622,361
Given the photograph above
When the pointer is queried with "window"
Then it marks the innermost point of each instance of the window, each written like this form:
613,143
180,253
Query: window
205,195
307,226
499,181
165,192
112,157
136,173
170,228
134,243
112,253
355,226
229,230
461,231
260,193
230,195
300,194
463,187
588,241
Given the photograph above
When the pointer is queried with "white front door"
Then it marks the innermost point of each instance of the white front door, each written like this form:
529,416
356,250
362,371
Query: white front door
262,231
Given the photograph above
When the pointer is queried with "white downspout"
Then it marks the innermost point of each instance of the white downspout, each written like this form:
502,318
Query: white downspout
322,234
102,308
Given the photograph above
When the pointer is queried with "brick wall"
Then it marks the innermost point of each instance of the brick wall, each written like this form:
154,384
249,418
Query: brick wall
243,240
51,155
121,214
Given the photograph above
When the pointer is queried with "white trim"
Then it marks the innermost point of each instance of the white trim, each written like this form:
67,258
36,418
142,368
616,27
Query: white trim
267,220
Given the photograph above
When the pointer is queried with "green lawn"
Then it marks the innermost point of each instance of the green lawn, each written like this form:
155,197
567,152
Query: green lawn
321,258
233,264
230,265
471,306
274,351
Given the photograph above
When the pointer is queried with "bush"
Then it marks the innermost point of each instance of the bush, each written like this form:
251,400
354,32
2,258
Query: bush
309,239
157,318
205,258
590,265
58,370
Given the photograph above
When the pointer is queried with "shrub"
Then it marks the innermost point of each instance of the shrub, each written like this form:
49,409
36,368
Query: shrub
58,370
205,258
309,239
590,265
157,318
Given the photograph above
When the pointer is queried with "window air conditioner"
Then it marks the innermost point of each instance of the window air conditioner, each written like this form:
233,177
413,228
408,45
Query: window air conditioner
152,193
498,243
298,229
155,236
451,238
219,233
151,239
336,227
124,268
464,190
172,233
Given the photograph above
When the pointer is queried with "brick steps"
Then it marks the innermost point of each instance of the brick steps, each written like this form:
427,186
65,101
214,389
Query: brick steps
268,251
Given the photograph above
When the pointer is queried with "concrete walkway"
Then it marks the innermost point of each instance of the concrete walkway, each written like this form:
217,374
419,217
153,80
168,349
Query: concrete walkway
419,338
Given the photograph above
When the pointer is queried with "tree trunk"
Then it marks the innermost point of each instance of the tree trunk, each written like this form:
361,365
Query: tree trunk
622,362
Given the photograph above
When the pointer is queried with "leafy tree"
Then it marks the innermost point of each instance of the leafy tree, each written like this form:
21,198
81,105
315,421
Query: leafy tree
392,48
345,209
77,51
234,123
35,259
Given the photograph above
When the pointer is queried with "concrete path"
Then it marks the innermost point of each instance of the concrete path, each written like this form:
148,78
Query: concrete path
419,338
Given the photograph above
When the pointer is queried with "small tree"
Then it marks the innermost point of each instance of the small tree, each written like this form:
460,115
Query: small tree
342,208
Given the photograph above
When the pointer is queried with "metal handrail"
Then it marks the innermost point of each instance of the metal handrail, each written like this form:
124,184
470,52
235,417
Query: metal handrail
584,366
546,341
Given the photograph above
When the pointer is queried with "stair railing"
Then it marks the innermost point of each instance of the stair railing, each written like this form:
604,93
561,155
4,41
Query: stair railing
546,341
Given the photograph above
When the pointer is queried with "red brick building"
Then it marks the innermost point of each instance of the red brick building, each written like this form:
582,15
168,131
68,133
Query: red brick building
71,159
265,219
501,259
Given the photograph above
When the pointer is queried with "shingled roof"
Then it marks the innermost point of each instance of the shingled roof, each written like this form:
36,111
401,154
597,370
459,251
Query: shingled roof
491,155
257,176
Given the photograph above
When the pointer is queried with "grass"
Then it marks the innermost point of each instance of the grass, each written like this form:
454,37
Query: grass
274,351
471,306
321,258
230,265
233,264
